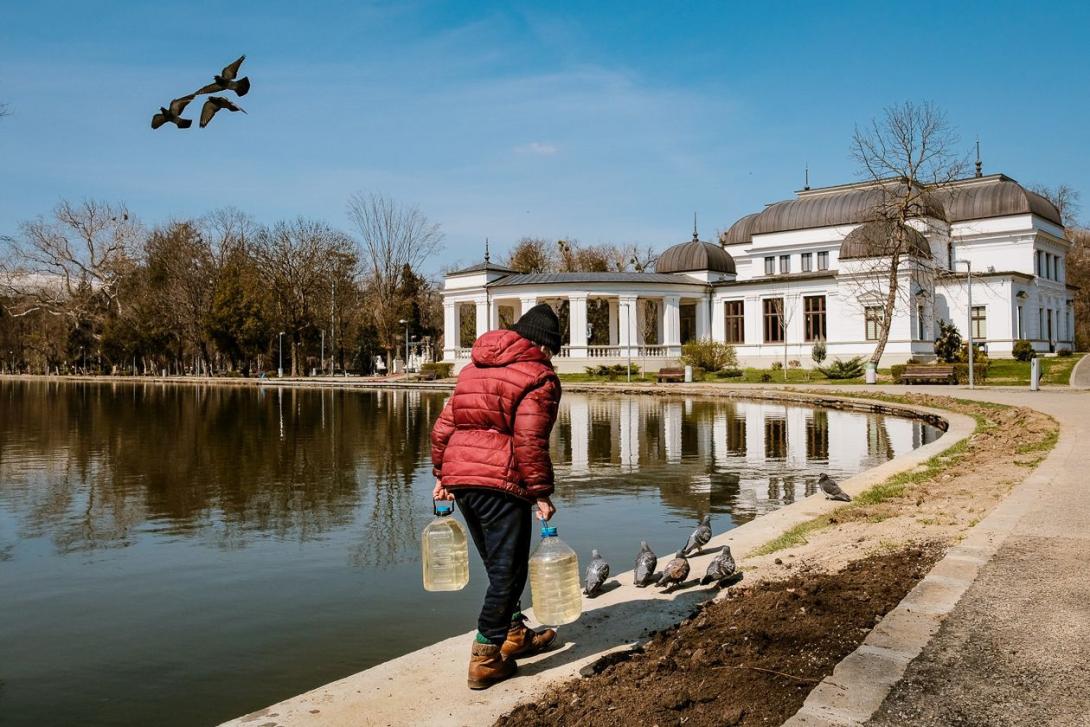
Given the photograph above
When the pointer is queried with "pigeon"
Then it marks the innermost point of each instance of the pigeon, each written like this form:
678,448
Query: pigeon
721,568
225,81
597,573
675,572
173,114
214,104
700,537
831,489
646,561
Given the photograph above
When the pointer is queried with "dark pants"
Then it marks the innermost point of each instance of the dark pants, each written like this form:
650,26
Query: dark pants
500,525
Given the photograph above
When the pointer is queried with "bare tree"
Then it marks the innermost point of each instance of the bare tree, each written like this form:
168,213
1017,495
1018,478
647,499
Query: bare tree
1065,198
395,238
72,264
532,255
910,155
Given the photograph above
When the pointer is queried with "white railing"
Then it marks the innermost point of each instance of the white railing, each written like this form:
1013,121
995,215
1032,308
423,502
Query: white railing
460,353
653,351
603,351
565,352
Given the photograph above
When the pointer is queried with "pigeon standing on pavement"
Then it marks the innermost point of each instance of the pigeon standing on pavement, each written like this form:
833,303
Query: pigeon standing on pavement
597,573
700,537
214,104
646,561
173,114
831,489
225,81
675,572
721,568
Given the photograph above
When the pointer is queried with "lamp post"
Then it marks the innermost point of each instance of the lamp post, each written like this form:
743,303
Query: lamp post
969,286
280,368
405,322
628,338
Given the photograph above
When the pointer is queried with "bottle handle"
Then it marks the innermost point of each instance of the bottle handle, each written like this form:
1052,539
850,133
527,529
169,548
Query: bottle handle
448,510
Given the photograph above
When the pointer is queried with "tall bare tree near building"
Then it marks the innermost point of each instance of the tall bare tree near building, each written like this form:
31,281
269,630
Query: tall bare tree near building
394,238
910,154
71,264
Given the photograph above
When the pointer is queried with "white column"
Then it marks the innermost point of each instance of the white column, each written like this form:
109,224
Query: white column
671,305
754,320
579,416
494,315
482,316
577,326
719,320
614,322
720,453
703,330
671,424
630,433
450,330
526,303
627,312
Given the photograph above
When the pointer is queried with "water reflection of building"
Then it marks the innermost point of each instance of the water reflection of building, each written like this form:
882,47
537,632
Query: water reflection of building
740,456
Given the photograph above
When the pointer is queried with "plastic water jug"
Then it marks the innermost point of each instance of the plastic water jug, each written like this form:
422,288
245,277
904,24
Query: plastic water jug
445,553
554,580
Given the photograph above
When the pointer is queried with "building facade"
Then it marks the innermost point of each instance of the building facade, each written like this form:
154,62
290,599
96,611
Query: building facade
801,271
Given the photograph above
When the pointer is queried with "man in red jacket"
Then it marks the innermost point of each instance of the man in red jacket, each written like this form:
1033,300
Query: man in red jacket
490,452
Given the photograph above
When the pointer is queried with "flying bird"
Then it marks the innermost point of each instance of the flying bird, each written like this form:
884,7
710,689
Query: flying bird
646,560
225,81
722,568
597,573
214,104
700,537
831,489
173,114
675,572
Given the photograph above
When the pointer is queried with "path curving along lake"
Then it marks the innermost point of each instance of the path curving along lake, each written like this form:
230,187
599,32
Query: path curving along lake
179,555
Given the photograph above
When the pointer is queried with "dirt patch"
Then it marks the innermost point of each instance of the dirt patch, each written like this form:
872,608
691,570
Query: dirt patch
749,658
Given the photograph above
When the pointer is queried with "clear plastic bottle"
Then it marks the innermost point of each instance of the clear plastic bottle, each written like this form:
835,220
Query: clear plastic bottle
445,552
554,580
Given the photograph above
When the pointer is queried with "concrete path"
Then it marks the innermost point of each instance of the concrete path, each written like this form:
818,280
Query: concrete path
999,632
1080,375
427,687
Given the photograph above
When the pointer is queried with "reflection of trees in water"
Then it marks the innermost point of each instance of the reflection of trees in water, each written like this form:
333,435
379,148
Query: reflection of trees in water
222,462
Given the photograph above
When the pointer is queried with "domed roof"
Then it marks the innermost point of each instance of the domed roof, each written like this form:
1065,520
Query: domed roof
695,255
872,239
995,196
837,206
741,231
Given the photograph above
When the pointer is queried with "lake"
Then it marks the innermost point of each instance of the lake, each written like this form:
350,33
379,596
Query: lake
180,555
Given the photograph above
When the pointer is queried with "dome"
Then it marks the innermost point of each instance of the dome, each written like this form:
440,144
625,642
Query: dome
741,231
836,206
872,240
995,196
695,255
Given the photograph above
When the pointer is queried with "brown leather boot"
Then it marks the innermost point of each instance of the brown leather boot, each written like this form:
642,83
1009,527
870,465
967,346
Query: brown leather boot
487,666
524,641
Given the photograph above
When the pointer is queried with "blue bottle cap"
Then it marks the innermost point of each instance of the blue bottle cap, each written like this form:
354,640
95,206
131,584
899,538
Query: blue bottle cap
548,532
443,508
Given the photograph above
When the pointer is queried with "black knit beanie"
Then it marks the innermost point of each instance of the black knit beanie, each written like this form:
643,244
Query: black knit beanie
540,325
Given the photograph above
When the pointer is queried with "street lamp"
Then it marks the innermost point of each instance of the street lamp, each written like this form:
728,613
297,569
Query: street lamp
405,323
969,285
280,368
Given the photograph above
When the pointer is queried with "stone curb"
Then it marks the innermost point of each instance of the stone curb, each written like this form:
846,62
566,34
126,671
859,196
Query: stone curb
423,687
860,683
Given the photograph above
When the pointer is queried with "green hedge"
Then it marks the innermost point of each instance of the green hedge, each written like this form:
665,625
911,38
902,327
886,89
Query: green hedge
961,370
896,370
439,369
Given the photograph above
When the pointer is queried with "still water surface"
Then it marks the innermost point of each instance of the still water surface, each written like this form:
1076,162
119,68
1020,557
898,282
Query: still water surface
179,555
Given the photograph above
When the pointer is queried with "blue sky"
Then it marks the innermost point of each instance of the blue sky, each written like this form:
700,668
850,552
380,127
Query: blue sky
606,121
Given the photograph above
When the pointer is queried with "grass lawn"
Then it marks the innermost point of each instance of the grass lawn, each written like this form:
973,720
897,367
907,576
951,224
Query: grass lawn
1010,372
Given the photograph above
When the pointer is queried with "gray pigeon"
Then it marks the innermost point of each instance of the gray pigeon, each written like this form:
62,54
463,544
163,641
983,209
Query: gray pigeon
831,489
700,537
675,572
225,81
721,568
597,573
214,104
646,561
173,114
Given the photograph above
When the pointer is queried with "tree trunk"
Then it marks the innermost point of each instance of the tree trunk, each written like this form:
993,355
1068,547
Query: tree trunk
887,310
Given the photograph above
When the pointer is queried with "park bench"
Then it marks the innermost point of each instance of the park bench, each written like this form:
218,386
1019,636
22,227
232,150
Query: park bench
915,374
671,375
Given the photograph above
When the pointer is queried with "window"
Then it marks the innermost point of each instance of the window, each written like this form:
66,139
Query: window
1021,324
980,323
1059,269
813,307
1037,263
920,331
770,265
1053,268
872,315
807,262
950,255
773,318
736,322
785,263
823,260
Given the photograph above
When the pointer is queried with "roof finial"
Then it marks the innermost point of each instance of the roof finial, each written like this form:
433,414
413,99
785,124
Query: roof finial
696,236
806,186
979,165
487,257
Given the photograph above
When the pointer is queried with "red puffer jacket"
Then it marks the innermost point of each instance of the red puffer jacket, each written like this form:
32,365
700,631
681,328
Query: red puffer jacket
494,430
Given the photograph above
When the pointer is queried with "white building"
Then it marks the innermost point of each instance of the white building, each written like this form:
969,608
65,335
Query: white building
799,271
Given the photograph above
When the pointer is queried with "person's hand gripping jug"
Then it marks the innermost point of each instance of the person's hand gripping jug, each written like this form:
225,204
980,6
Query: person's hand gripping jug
444,550
554,580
